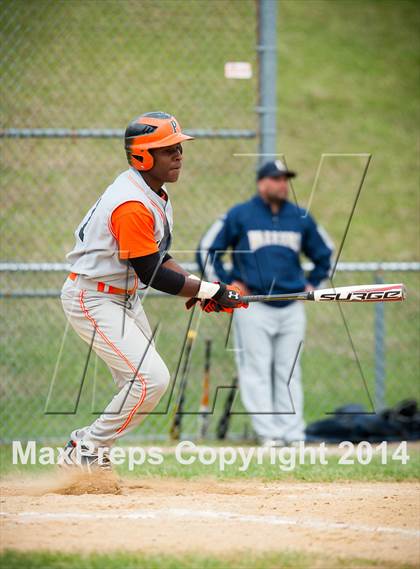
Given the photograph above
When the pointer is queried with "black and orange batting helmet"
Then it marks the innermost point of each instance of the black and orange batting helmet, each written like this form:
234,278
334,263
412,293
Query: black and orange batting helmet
150,130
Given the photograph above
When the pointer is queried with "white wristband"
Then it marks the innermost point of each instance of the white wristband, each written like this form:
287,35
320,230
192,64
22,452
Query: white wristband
206,290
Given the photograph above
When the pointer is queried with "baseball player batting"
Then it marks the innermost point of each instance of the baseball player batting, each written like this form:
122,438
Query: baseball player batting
121,245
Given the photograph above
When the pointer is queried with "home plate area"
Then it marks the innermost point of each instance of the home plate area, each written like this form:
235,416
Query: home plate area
77,512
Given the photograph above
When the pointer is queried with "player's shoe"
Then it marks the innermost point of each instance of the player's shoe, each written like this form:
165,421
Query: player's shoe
77,455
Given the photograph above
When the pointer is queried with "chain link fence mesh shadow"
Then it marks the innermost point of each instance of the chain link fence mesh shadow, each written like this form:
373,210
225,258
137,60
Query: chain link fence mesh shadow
96,65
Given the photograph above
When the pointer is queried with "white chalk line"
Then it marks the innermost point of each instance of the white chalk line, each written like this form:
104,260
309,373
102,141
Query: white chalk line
177,513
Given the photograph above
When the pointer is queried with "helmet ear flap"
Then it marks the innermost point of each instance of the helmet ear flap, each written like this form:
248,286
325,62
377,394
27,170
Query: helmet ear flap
142,160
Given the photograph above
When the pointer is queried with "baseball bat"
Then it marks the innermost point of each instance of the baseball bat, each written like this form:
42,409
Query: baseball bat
358,293
204,403
175,430
223,425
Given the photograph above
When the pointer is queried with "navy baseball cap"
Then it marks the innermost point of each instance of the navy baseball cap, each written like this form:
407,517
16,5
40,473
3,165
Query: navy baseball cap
274,169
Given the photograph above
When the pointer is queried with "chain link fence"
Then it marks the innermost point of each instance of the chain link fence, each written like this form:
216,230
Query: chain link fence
94,65
46,390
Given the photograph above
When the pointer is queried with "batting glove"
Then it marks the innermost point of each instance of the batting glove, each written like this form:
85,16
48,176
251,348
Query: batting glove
226,299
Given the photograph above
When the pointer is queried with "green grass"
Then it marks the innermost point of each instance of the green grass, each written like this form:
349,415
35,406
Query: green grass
330,372
259,469
347,82
285,560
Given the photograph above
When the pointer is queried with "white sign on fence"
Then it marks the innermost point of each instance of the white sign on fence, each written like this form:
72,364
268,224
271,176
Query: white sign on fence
238,70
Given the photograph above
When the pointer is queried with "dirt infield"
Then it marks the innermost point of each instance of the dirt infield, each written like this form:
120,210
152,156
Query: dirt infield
352,519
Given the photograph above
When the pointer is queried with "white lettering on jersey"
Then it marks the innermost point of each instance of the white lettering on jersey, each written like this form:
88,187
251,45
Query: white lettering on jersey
263,238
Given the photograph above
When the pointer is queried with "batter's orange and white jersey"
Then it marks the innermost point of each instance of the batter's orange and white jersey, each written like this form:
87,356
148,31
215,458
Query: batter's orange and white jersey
129,220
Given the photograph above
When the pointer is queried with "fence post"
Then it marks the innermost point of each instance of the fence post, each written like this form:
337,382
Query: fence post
267,55
379,350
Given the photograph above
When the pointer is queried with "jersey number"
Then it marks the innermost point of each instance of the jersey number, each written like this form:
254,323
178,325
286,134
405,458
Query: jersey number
82,229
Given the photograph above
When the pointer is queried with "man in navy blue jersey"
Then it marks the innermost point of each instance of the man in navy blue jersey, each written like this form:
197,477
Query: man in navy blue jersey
266,236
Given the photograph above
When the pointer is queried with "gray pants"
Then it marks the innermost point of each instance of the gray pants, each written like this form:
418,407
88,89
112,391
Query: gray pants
267,340
139,372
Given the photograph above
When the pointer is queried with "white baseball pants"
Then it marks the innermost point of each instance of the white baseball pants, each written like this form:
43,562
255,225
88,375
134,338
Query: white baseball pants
267,340
122,337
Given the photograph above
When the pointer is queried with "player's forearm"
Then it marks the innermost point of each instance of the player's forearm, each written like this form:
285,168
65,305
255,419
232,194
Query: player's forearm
192,287
170,263
151,272
159,276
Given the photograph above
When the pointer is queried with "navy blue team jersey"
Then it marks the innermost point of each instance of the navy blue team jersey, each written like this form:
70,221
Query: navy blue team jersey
266,248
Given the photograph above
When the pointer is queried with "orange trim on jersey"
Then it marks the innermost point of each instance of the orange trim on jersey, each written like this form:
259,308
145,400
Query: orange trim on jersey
122,356
133,226
111,229
160,211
